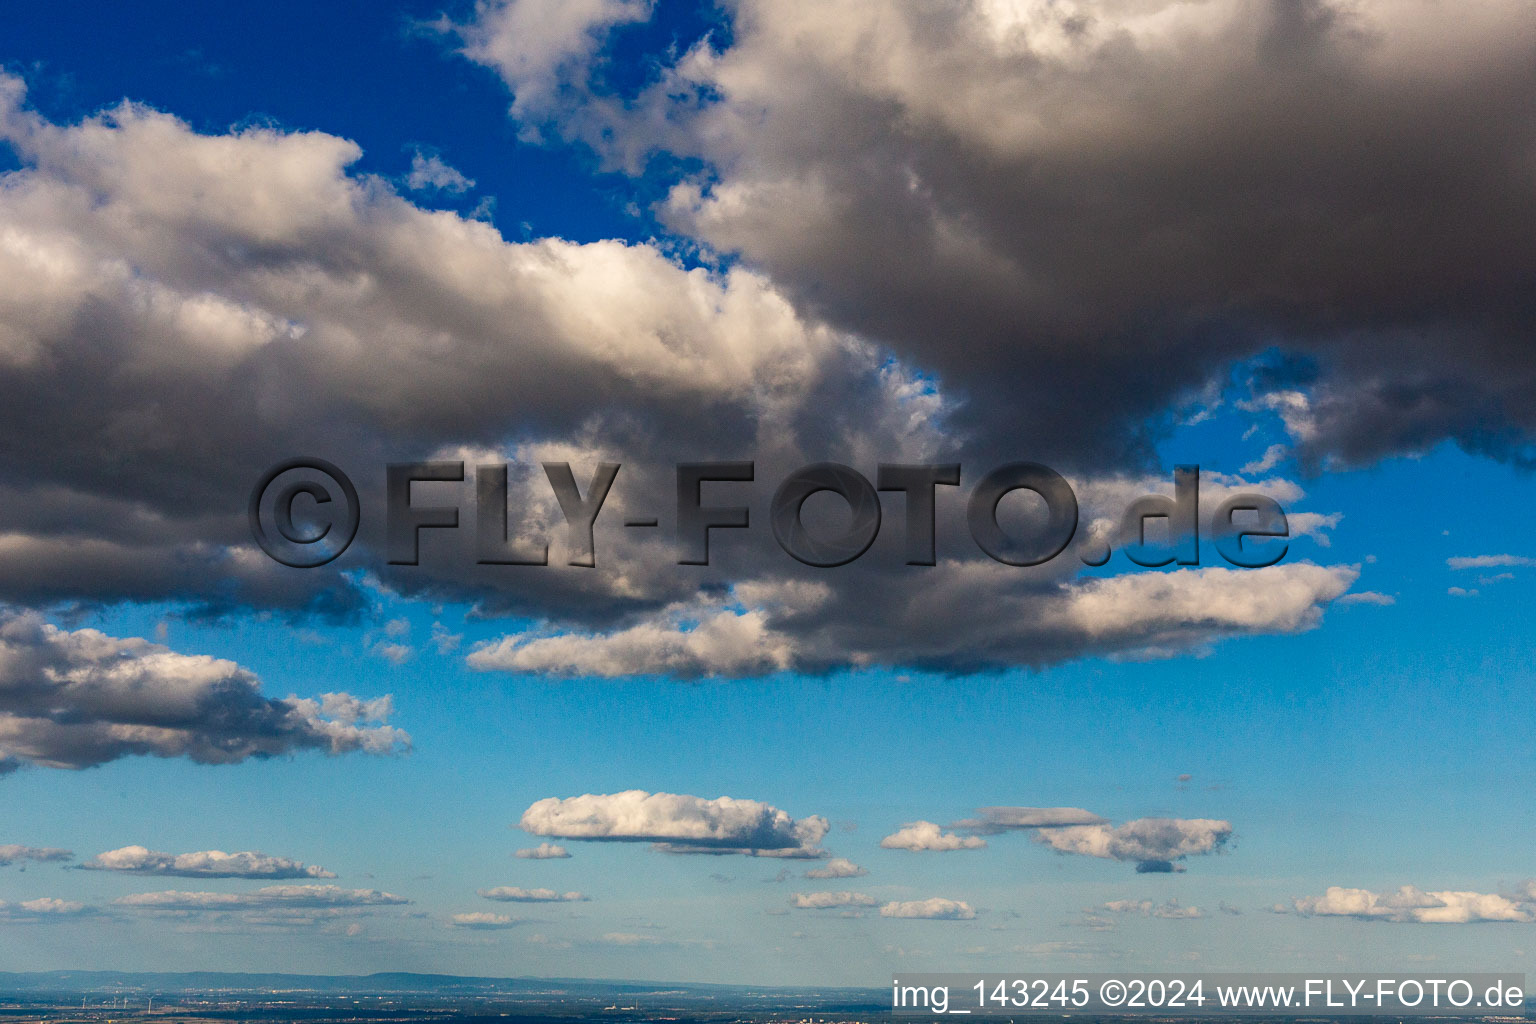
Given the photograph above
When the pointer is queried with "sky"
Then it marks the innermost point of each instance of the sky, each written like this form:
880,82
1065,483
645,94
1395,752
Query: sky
1282,242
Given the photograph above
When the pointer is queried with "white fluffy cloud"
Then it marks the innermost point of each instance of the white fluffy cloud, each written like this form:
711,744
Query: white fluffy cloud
925,836
837,867
205,864
1154,844
830,900
544,851
73,699
45,908
11,853
517,894
936,908
726,642
678,823
1409,904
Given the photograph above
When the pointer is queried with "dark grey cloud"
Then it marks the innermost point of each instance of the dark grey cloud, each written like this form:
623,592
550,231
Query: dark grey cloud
74,699
330,315
1120,199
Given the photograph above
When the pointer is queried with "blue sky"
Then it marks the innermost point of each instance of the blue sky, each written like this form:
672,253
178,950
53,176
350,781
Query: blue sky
1380,743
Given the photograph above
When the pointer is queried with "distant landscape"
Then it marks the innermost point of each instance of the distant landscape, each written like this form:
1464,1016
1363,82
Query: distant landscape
398,996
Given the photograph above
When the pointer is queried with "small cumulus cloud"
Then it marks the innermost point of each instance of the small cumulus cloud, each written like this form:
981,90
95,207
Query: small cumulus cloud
927,837
517,894
544,851
1155,845
44,908
837,867
678,823
429,173
934,909
830,900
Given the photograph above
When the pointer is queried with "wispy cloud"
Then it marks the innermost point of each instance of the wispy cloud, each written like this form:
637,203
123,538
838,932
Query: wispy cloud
11,853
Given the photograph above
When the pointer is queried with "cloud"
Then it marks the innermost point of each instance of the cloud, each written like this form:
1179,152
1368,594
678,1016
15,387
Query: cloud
837,867
996,820
1155,844
1146,615
678,823
987,171
1409,904
725,643
1368,597
542,48
1168,910
483,921
544,851
45,908
516,894
251,290
11,853
925,836
206,864
1489,561
1272,457
631,939
74,699
302,897
830,900
430,174
935,909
